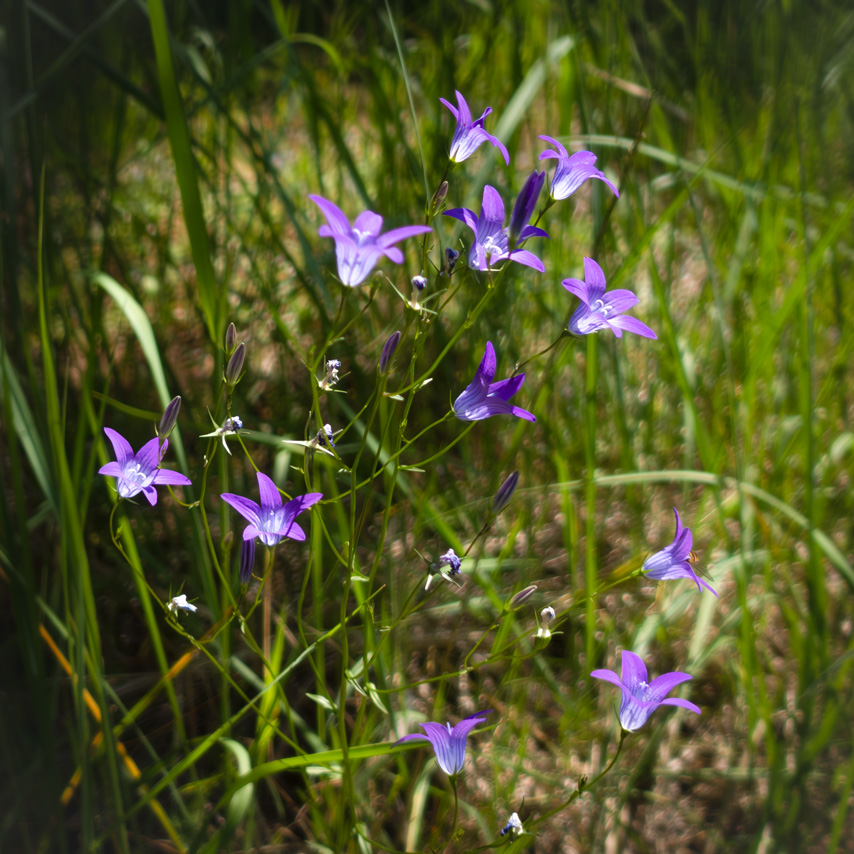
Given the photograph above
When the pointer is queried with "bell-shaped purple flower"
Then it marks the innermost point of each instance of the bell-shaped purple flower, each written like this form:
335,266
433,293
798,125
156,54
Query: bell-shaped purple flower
470,135
359,247
640,696
572,170
483,398
491,242
139,472
272,520
673,560
449,742
601,310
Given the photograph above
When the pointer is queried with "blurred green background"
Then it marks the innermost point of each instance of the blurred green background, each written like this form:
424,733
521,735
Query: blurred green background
171,151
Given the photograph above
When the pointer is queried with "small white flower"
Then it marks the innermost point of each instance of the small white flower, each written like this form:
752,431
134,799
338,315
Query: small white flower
180,602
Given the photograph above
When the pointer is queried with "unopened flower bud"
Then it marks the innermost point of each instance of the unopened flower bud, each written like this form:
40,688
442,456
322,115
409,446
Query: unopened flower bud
389,349
247,560
234,368
170,416
505,493
438,200
522,596
419,283
230,339
524,206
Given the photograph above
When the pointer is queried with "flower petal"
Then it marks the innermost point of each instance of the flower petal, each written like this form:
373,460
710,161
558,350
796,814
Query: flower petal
634,670
271,498
577,288
685,704
121,446
632,324
493,206
334,216
464,215
171,478
523,256
608,676
246,507
397,234
595,279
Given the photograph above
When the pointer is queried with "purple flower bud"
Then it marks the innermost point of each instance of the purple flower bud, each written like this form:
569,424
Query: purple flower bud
419,283
388,352
170,416
235,365
522,596
524,207
230,339
505,493
247,560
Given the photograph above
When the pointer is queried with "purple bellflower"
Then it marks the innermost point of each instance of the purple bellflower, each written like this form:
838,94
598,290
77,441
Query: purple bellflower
673,560
449,742
359,247
641,697
491,242
572,170
483,398
470,135
601,310
271,521
139,472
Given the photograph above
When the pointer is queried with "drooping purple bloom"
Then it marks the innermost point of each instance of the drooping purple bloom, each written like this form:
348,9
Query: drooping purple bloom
449,742
483,398
572,170
601,310
452,561
271,521
490,236
359,247
137,473
672,561
470,135
641,697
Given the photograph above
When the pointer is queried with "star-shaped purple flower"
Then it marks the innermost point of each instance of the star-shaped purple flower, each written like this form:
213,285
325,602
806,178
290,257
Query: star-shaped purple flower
271,521
139,472
572,170
490,236
359,247
483,398
601,310
672,561
449,742
470,135
641,697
